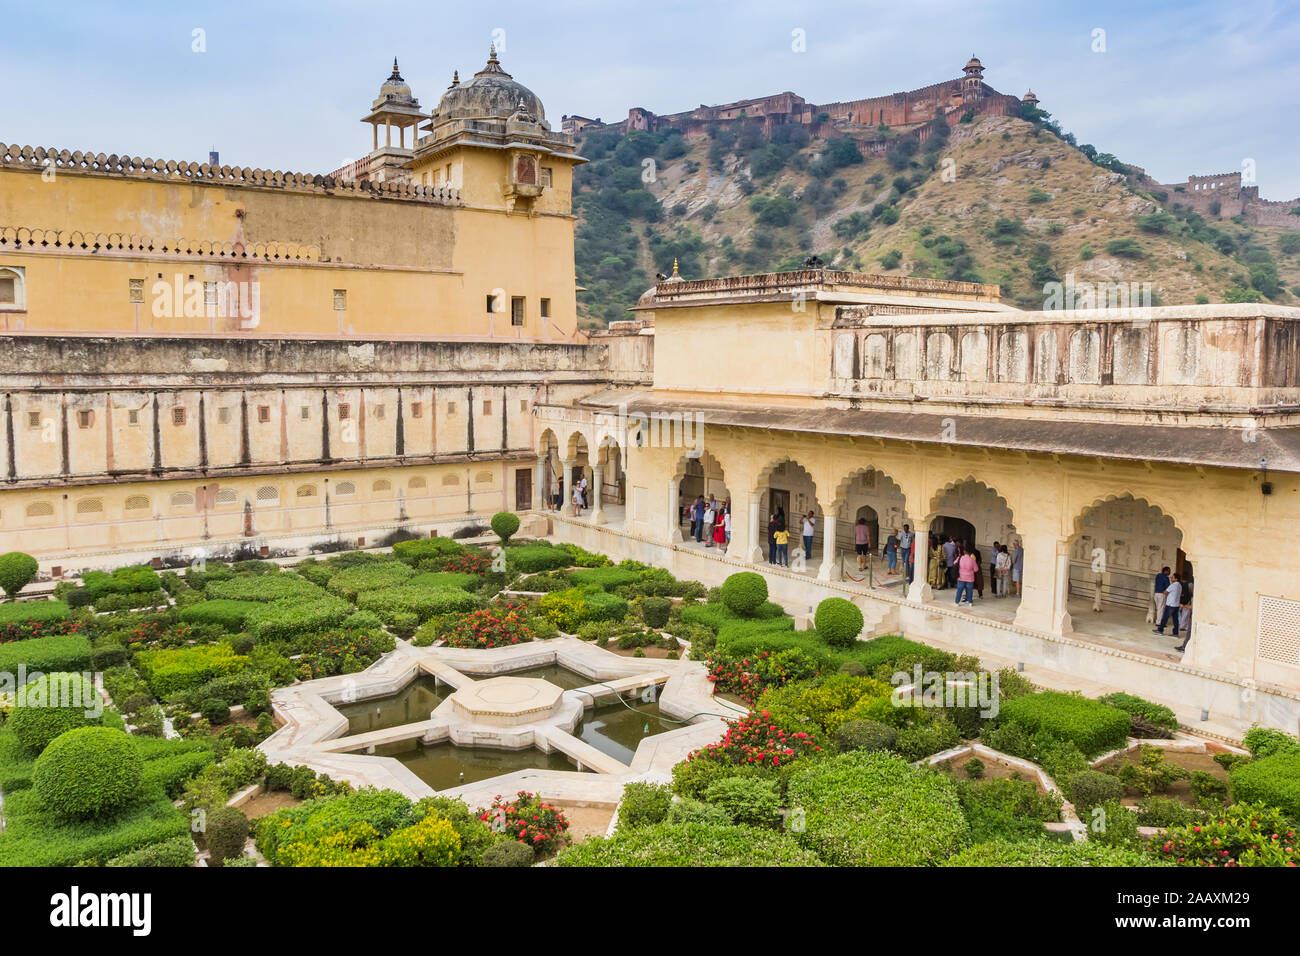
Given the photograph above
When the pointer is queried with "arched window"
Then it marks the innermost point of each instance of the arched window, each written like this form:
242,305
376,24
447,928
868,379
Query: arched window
90,506
417,483
383,484
40,509
345,488
306,491
227,496
268,495
182,499
137,503
13,289
450,480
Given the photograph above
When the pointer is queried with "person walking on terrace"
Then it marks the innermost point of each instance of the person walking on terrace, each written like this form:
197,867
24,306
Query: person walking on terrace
1172,609
771,539
862,542
1017,566
891,551
710,517
697,518
809,524
720,531
1158,596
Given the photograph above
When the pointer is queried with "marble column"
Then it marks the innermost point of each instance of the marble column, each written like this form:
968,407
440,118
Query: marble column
753,550
673,530
828,570
919,590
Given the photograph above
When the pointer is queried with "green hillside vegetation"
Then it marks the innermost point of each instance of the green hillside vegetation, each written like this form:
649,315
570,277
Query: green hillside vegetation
1002,200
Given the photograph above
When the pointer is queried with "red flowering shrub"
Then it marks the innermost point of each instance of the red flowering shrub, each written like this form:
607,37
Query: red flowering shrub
466,562
495,626
24,630
759,742
1242,835
530,820
344,652
748,677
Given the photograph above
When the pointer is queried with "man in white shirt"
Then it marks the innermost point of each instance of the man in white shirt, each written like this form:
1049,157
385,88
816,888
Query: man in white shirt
710,516
1173,597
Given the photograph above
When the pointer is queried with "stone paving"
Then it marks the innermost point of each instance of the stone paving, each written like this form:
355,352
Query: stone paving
487,708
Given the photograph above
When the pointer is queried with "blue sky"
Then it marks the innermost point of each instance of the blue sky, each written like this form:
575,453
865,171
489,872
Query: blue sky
1194,87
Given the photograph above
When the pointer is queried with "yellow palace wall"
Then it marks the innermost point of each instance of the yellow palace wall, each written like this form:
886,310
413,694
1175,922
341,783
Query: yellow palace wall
408,266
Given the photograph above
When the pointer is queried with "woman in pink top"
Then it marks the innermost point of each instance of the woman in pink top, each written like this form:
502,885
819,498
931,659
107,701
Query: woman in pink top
966,566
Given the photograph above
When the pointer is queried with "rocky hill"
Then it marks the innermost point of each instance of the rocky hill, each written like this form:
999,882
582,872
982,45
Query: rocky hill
1001,200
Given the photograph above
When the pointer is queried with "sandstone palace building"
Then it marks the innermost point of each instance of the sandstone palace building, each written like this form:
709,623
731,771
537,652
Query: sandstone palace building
207,359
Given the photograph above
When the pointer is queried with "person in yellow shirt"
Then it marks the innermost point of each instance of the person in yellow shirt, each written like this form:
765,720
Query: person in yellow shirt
782,539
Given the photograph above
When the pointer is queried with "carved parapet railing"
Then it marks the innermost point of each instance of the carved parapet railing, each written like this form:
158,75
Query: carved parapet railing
40,159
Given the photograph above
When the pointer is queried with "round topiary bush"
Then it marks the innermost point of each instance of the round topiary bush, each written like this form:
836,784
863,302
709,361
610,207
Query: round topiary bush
865,735
504,524
853,668
838,621
508,853
655,611
743,592
87,772
225,834
214,710
17,570
52,705
1091,788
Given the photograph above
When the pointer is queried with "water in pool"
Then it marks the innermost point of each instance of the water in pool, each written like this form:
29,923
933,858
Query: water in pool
561,677
443,765
412,703
615,730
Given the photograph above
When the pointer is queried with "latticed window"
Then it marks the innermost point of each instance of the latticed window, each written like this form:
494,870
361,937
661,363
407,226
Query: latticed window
1279,630
306,491
268,495
136,503
90,506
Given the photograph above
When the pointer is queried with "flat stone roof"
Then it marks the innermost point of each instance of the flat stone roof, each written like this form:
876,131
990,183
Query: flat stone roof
1193,445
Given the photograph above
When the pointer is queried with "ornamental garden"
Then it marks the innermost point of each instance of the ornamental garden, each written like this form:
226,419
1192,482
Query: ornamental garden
487,701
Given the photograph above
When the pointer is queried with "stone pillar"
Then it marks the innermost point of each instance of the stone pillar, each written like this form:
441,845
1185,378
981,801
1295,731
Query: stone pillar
541,485
673,530
753,550
566,473
597,505
1045,584
828,570
919,590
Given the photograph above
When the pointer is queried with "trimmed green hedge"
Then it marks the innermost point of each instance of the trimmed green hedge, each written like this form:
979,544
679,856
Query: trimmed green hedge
370,577
1274,781
423,549
132,580
288,619
445,579
40,612
423,602
536,556
607,579
176,852
226,614
689,844
875,809
168,670
59,652
284,585
1046,852
1090,725
35,837
1141,710
16,762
